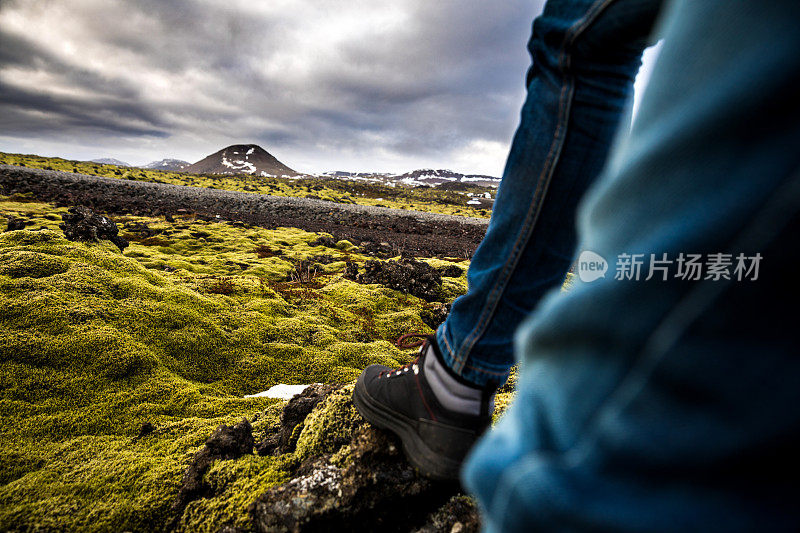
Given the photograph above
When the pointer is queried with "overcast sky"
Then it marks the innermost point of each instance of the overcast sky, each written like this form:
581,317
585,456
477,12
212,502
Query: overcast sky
366,85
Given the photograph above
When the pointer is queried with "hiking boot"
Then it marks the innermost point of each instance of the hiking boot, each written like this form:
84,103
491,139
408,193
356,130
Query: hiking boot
435,439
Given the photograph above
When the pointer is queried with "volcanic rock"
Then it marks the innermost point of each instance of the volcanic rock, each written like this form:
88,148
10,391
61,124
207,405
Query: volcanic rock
15,223
458,515
450,271
284,439
407,275
225,443
361,482
83,224
433,315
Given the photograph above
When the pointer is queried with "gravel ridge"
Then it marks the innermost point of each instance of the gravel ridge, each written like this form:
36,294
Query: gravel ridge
411,231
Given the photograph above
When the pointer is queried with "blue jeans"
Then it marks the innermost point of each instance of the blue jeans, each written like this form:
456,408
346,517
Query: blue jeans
670,404
586,54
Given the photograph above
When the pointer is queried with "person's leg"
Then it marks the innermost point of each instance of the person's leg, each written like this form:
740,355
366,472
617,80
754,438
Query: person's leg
586,54
672,404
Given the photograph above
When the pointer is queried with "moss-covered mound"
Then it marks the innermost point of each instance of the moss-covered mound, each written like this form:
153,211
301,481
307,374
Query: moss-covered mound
96,345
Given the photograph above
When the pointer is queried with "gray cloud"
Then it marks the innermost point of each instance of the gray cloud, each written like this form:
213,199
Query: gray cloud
322,84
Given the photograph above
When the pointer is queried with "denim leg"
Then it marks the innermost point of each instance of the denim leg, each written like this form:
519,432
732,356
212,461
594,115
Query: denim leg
586,54
672,405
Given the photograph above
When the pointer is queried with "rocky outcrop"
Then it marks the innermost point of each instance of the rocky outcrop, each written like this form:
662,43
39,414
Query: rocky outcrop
227,442
83,224
283,438
458,515
351,476
384,250
407,275
15,223
369,486
344,474
451,271
434,314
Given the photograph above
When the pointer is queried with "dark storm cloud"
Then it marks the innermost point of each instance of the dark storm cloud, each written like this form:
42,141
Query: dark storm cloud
408,78
113,107
30,112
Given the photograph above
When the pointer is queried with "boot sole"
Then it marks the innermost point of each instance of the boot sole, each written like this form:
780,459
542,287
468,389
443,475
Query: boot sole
420,455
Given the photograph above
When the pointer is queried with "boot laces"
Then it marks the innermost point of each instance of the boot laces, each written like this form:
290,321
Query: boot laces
402,343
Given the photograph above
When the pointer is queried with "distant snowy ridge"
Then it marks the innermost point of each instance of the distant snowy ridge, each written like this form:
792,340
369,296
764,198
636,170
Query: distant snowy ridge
173,165
110,161
253,160
417,178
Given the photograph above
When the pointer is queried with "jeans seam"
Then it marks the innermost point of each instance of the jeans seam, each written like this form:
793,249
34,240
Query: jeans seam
484,371
449,351
543,183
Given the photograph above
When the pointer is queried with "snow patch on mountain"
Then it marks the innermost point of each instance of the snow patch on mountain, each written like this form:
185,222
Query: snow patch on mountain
239,164
241,159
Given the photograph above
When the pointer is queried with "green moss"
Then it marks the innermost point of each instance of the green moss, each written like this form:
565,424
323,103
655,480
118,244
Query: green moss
22,263
336,266
94,343
502,401
235,485
452,288
329,425
345,246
